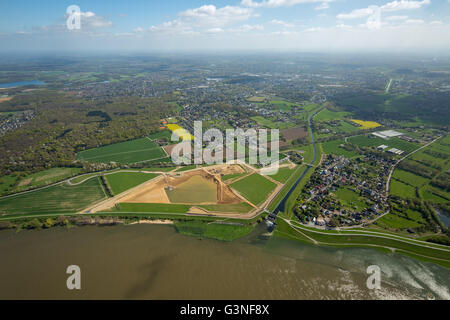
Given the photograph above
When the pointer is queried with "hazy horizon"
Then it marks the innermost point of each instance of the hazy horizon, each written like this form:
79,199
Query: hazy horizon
399,26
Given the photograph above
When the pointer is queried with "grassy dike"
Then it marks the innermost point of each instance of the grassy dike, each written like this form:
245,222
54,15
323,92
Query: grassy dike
385,242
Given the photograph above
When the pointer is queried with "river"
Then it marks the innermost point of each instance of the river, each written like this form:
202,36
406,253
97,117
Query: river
155,262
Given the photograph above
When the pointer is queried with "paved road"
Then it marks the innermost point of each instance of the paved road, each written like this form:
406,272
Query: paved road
88,176
388,182
388,87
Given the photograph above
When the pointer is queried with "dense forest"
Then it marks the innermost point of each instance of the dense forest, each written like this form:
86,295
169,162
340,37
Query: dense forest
430,107
66,124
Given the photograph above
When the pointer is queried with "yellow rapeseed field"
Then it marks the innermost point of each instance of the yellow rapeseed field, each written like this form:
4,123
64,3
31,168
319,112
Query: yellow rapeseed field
367,124
181,132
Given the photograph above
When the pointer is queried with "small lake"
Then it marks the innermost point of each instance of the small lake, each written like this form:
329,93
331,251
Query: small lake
21,84
444,218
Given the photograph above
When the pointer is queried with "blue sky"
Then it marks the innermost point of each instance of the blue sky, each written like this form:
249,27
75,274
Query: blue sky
301,25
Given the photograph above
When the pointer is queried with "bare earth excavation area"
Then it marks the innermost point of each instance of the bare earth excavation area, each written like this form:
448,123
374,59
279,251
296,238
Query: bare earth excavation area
194,187
202,186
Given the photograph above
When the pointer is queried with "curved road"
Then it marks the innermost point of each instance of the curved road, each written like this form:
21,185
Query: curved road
388,182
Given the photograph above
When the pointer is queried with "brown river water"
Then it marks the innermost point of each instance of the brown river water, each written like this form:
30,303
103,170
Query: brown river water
155,262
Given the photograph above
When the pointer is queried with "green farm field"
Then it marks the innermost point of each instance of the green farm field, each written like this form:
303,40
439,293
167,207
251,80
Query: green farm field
287,186
180,208
282,105
310,107
158,169
217,231
7,182
283,174
343,127
333,147
122,181
153,207
401,189
256,99
272,124
83,177
350,198
61,198
433,160
254,188
227,177
242,207
409,178
164,134
186,168
366,141
327,114
436,155
46,177
413,219
435,195
428,160
14,183
125,152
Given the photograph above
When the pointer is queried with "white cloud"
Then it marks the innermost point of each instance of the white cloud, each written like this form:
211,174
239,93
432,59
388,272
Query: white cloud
314,29
247,28
322,6
210,15
172,27
215,30
343,26
413,36
396,18
357,13
283,33
414,21
90,20
89,25
231,27
403,5
388,7
138,30
207,19
282,23
277,3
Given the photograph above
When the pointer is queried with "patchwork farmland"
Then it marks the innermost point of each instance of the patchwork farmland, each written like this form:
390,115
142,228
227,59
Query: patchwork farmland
132,151
327,114
255,188
369,141
61,198
122,181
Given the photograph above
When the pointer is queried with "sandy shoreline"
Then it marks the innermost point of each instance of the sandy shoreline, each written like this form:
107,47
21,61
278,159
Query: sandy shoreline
152,222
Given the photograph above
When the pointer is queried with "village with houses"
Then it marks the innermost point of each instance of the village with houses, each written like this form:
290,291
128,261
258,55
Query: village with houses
345,192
